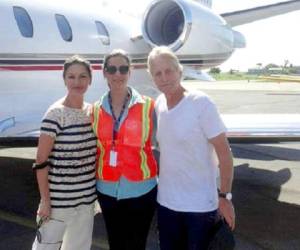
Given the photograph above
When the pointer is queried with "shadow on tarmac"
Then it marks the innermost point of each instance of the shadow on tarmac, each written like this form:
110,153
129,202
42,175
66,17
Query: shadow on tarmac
265,152
261,218
263,222
18,186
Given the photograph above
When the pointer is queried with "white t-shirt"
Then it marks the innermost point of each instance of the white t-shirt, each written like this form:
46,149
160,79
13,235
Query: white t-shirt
188,163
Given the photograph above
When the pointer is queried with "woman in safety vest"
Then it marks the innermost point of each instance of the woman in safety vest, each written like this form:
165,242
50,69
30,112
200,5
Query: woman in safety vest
126,170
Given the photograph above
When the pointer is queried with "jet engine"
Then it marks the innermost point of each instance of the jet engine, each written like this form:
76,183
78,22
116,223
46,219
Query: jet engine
197,34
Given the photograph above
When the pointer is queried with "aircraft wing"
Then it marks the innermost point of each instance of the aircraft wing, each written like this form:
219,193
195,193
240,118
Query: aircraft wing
197,74
250,15
241,128
262,127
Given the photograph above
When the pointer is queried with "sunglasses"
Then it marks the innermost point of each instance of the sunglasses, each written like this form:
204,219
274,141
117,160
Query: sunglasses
39,234
113,69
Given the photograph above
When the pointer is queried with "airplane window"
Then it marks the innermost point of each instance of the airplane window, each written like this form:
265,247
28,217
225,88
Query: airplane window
64,27
103,33
24,21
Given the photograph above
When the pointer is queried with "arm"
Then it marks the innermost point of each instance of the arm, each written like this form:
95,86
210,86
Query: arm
224,155
44,149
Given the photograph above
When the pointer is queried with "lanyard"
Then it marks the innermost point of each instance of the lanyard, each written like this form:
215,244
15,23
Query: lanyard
117,120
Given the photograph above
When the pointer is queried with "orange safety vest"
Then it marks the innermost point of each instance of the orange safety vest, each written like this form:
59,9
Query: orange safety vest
135,159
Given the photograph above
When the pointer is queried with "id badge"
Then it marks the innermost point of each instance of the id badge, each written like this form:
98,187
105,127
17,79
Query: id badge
113,158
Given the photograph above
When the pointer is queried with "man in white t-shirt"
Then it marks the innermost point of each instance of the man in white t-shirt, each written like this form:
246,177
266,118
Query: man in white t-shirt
194,152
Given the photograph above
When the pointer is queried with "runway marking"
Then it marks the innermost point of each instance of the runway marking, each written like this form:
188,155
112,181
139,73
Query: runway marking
19,220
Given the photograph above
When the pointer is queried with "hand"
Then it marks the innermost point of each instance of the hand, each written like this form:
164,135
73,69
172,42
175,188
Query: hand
44,210
227,211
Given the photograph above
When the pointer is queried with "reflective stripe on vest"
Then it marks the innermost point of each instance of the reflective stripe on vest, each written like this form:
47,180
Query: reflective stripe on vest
145,135
100,148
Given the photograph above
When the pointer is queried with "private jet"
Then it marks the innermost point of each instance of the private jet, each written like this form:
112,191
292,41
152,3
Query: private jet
37,36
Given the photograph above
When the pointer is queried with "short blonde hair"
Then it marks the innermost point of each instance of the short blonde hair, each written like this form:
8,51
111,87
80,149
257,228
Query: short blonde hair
165,52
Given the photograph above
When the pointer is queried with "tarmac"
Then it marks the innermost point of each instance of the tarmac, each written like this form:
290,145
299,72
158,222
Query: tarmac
266,188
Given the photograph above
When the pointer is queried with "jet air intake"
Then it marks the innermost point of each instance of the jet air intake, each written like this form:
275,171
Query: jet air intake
199,36
166,23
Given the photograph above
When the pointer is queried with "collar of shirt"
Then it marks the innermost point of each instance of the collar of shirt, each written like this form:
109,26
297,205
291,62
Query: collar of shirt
136,97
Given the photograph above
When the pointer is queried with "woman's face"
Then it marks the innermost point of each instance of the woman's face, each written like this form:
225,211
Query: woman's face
117,73
77,79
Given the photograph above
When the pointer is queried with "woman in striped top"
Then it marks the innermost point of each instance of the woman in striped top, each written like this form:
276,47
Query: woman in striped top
65,166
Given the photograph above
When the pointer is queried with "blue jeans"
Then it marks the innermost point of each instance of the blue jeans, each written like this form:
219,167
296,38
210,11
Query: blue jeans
184,230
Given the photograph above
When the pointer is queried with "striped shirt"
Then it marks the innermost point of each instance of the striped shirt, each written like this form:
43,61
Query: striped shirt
72,159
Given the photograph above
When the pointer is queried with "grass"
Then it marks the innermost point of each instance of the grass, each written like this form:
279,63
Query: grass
234,76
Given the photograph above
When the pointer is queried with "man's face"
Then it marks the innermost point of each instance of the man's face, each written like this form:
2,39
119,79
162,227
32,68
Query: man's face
165,74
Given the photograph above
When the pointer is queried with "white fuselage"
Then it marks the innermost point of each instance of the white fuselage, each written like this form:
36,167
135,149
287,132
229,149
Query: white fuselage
37,37
31,64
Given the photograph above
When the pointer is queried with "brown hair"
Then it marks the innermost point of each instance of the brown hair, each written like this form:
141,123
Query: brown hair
77,60
116,52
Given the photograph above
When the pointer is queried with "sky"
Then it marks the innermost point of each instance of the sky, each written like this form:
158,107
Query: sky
272,40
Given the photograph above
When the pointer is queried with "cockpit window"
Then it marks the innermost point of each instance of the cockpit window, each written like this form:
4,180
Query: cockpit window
24,21
103,33
64,27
